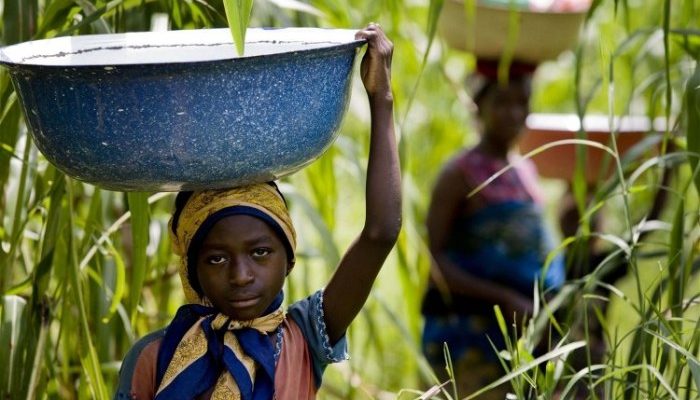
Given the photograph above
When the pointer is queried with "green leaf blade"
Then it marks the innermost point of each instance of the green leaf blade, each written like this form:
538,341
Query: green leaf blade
238,17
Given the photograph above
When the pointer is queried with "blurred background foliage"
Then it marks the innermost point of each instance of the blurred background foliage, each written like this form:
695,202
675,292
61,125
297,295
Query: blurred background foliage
84,272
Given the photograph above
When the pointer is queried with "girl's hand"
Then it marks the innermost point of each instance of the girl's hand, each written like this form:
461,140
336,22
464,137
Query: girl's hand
375,69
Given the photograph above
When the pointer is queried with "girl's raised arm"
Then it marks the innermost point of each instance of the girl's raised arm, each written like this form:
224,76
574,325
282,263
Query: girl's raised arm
349,287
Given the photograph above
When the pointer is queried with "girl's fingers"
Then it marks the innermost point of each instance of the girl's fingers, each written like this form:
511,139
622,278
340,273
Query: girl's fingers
371,30
364,34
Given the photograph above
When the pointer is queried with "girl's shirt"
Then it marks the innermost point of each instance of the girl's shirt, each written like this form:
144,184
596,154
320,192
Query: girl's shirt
500,233
305,351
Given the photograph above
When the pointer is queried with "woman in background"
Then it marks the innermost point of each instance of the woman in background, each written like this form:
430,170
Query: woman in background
488,248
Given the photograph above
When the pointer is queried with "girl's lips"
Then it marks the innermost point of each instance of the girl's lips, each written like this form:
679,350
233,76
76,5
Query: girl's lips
243,303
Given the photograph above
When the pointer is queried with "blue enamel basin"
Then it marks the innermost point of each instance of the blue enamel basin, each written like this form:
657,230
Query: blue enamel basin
179,110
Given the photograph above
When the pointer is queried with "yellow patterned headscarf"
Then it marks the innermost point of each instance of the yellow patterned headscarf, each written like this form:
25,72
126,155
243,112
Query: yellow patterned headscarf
201,205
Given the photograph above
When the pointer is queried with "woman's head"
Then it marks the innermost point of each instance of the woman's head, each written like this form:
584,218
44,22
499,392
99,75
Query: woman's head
503,107
236,247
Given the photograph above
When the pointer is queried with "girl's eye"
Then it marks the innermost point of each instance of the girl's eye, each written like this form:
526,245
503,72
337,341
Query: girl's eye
215,260
261,252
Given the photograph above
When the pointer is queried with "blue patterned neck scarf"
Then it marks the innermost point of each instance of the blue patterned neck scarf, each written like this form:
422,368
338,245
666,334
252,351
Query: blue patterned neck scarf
203,348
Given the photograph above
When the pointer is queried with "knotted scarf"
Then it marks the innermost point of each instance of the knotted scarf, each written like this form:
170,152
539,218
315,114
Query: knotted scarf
202,347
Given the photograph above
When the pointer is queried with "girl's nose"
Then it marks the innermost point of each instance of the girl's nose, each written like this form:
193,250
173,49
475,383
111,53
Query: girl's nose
240,273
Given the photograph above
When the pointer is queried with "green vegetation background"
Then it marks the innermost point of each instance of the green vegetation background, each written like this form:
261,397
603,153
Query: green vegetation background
84,272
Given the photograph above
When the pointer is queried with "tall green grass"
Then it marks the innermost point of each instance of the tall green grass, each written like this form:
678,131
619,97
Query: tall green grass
84,272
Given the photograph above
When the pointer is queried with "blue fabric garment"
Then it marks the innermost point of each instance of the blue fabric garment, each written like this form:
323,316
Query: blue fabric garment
499,236
506,243
461,333
203,373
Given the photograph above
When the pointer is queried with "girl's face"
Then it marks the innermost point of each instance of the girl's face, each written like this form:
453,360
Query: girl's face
241,266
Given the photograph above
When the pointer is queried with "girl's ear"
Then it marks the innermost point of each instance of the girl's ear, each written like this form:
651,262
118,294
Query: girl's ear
290,265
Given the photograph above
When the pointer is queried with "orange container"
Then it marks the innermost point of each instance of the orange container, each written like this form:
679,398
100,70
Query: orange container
559,162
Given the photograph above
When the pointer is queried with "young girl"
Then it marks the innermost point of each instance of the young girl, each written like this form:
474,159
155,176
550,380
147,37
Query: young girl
234,340
489,249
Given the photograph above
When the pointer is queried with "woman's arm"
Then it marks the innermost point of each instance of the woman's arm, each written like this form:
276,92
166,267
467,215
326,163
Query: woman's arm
448,197
349,287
